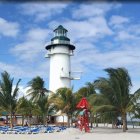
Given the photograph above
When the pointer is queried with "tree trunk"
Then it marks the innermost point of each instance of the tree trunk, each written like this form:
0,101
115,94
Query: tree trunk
131,121
47,120
29,121
44,119
68,121
11,121
124,122
96,120
71,120
6,119
91,120
22,120
113,124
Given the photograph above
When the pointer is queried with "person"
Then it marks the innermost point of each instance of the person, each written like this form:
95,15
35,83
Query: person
26,124
118,123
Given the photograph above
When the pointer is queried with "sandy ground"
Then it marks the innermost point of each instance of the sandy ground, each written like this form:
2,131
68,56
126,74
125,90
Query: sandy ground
75,134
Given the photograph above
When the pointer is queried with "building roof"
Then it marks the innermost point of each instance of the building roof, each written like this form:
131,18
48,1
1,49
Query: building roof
60,27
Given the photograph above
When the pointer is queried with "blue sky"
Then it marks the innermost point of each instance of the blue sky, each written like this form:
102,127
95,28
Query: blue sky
105,35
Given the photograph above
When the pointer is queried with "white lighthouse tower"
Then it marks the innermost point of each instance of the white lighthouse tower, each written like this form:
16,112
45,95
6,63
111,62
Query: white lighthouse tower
59,52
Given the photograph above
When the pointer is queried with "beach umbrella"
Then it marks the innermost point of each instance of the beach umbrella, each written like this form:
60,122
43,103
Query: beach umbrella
83,104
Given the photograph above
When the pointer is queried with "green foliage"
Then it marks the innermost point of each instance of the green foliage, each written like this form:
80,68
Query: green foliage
65,100
8,99
25,107
37,89
115,93
85,91
8,95
45,107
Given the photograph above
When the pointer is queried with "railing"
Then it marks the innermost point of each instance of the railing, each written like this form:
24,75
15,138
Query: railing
75,75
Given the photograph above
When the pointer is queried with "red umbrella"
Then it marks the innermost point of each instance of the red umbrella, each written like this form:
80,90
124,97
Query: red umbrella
83,104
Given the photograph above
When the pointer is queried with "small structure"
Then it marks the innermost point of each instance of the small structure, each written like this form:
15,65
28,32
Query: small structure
83,119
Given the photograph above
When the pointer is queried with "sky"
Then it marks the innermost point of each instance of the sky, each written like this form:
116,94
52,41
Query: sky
105,35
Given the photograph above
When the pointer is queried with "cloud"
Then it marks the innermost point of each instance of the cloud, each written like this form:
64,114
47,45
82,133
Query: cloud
93,9
42,11
22,90
89,56
13,69
128,33
124,35
7,28
33,46
125,30
89,29
37,34
26,71
117,20
125,58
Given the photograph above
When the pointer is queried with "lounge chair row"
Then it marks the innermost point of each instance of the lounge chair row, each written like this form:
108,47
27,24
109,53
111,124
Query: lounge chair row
30,130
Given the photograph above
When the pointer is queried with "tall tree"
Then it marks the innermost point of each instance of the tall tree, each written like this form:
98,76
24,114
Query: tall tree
37,89
26,108
85,91
45,108
65,100
116,89
90,88
8,95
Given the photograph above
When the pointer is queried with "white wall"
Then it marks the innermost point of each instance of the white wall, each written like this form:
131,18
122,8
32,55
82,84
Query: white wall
62,119
59,62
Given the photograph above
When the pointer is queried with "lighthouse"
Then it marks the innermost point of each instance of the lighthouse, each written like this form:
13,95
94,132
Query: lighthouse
59,52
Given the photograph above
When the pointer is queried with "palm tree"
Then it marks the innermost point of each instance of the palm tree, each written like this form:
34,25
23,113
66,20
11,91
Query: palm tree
90,88
24,107
37,89
100,106
136,111
45,107
65,100
116,89
27,109
8,95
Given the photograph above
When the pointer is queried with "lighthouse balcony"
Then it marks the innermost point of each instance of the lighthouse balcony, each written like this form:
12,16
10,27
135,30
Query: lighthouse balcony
71,75
58,52
65,75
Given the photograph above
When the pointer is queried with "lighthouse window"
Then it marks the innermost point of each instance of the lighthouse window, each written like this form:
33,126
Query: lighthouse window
63,33
56,33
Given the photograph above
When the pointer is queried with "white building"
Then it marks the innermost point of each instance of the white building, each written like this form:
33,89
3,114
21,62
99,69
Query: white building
59,52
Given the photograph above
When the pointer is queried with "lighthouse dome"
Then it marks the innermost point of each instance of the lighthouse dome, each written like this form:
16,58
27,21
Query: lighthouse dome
60,38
